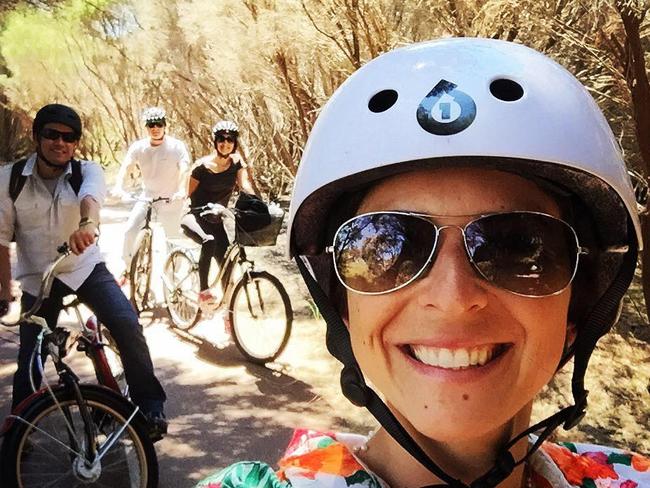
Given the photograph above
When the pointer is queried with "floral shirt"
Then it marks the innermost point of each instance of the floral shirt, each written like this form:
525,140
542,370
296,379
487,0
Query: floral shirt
327,460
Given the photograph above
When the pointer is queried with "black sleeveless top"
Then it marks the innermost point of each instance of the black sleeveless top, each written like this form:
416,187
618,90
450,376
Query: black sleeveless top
214,187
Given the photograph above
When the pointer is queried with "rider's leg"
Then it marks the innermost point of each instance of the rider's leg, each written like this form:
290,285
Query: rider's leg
169,215
49,310
196,233
103,296
215,248
221,238
133,226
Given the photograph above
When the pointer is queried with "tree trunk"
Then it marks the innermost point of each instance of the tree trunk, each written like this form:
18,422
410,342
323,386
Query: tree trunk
637,81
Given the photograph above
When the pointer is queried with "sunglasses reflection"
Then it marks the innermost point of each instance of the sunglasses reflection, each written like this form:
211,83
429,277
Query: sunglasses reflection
526,253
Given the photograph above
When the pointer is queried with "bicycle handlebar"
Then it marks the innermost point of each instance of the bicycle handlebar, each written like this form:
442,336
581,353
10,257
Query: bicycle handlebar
135,198
215,209
46,284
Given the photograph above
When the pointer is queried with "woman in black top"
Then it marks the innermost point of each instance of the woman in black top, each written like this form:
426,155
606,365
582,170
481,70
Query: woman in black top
213,180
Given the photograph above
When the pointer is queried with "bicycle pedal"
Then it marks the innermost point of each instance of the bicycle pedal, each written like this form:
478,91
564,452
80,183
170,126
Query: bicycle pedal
157,426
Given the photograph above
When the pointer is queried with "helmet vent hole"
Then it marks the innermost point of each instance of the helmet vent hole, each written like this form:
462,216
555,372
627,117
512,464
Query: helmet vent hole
506,90
382,101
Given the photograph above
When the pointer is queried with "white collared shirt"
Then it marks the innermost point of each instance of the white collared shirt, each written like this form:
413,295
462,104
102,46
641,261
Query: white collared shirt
42,221
163,167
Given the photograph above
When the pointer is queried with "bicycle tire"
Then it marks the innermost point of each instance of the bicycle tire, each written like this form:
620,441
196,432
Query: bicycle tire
181,285
24,446
261,316
140,275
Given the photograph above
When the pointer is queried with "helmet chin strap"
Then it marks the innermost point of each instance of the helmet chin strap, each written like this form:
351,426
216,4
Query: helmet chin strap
50,164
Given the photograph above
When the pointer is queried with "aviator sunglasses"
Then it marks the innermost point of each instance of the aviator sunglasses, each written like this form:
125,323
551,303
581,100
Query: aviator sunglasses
53,135
530,254
155,124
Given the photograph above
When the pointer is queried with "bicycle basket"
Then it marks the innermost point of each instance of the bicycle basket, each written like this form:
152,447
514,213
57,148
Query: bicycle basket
263,236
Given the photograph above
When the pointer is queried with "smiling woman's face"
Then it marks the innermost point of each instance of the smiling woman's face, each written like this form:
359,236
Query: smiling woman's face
453,354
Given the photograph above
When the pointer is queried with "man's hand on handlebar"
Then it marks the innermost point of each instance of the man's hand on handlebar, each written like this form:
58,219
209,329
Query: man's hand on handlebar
83,237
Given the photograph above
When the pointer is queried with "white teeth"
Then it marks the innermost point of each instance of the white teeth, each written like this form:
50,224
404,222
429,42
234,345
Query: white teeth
454,358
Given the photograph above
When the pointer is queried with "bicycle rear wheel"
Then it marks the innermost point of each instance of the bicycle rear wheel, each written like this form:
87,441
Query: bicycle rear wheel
261,316
140,275
181,285
36,454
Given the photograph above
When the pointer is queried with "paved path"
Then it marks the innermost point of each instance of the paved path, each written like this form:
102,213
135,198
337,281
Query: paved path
222,409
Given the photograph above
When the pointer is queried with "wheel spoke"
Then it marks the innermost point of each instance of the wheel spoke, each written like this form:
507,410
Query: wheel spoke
261,316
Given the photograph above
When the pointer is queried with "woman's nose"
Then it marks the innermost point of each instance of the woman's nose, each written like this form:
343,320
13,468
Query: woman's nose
451,284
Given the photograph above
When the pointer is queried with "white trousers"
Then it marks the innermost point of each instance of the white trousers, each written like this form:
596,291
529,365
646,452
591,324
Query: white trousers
167,214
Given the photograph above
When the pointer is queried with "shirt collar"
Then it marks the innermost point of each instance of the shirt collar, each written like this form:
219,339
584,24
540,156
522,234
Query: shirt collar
28,170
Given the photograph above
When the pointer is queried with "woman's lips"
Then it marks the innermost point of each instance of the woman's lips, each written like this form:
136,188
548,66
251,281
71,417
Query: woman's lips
458,358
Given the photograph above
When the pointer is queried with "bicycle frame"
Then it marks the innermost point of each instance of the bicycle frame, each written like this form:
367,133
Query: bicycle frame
235,253
55,340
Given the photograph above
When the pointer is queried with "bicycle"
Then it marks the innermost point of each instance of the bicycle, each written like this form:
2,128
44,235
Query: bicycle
140,270
259,308
75,434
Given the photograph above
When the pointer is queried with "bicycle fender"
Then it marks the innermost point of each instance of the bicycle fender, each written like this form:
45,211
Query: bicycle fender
43,395
22,407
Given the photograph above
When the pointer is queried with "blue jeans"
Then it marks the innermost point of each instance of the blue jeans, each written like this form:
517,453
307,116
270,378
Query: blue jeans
101,293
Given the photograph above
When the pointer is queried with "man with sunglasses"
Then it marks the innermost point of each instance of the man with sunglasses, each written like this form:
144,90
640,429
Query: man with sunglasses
163,162
58,200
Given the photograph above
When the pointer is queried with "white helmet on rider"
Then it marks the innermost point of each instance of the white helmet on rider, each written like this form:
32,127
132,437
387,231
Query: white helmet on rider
473,103
154,115
225,127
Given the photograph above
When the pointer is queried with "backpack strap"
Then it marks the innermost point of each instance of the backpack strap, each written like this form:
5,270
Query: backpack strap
76,178
17,179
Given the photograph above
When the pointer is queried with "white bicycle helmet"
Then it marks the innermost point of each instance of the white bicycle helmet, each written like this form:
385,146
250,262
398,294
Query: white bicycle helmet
469,102
153,114
225,127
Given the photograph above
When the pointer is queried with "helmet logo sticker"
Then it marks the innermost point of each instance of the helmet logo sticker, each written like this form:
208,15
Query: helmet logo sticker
446,110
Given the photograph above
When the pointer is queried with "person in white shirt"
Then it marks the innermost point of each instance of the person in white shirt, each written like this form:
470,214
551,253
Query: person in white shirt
164,163
59,201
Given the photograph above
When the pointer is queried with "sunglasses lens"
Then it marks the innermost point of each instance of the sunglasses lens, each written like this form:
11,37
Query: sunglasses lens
526,253
379,252
53,135
154,124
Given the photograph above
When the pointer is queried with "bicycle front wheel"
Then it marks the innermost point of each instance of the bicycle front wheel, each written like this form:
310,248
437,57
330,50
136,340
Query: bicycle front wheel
41,450
140,276
260,315
181,285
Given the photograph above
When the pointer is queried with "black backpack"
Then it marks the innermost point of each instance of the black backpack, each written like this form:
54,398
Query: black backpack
17,179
